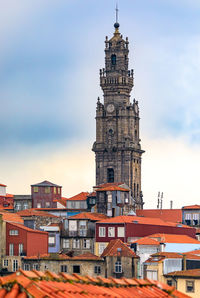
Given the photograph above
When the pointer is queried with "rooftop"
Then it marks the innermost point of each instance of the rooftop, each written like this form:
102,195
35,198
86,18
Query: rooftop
82,196
21,226
89,215
116,247
3,185
174,215
192,207
46,183
112,188
186,273
141,220
146,241
34,212
11,217
34,283
173,238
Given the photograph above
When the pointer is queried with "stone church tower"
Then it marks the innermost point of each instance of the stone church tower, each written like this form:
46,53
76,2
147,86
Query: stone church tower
117,147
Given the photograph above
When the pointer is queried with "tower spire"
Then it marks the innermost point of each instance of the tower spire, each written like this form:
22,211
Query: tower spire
116,12
116,24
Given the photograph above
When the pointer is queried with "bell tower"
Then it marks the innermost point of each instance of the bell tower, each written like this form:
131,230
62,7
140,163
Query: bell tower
117,148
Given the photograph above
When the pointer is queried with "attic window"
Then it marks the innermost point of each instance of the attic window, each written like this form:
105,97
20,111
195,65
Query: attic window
135,221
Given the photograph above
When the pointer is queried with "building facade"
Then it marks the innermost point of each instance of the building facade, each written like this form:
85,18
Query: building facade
45,194
117,147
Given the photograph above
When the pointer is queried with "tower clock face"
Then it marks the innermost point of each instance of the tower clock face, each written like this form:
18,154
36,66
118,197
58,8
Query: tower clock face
110,108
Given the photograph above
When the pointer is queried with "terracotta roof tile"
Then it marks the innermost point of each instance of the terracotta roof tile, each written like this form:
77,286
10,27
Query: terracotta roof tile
174,238
82,196
141,220
84,287
87,256
188,273
192,207
11,217
175,215
3,185
34,212
112,188
26,228
89,215
116,247
195,252
146,241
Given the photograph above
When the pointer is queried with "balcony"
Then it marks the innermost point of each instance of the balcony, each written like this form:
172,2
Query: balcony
80,233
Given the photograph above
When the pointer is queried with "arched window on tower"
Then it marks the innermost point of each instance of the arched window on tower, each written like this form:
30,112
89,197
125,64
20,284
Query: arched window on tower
110,175
135,134
113,59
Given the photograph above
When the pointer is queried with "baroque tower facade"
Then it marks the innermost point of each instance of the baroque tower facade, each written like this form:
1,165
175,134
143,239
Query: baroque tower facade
117,147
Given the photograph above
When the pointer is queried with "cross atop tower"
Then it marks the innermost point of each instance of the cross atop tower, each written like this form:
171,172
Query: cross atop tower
116,12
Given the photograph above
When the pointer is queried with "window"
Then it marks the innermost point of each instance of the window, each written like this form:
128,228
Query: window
102,231
35,189
36,267
110,175
82,227
5,263
118,267
25,206
65,243
92,201
38,205
111,232
59,190
21,249
97,269
195,219
52,240
113,59
189,286
63,268
120,232
18,206
47,189
13,232
76,243
76,269
11,249
54,190
47,204
15,265
169,282
27,267
102,246
86,243
82,205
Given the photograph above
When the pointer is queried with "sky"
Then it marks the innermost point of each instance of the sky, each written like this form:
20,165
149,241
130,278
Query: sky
50,55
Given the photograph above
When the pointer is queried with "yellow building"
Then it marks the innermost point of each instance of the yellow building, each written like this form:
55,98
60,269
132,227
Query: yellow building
186,281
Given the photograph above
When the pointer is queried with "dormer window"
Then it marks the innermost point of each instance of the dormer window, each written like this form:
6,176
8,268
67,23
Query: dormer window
113,59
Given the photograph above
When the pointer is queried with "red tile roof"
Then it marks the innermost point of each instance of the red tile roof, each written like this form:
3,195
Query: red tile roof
48,284
174,215
192,207
194,252
89,215
87,256
173,238
108,184
79,197
116,247
26,228
11,217
61,201
186,273
35,212
3,185
140,220
55,256
112,188
146,241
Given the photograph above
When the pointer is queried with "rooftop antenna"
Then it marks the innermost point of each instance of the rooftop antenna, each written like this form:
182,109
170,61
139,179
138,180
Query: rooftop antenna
158,206
161,201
